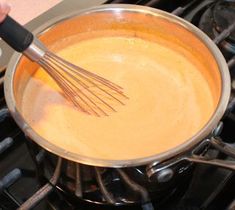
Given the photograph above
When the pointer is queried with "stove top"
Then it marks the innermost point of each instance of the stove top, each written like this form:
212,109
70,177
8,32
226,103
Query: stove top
210,188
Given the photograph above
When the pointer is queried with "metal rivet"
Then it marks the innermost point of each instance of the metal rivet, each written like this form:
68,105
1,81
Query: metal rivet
165,175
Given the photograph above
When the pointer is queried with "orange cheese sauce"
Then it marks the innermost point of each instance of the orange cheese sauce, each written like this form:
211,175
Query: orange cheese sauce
169,100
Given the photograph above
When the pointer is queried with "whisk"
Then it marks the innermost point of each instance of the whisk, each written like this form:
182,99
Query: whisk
88,92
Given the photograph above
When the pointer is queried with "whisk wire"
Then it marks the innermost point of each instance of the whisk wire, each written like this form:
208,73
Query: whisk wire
83,88
78,69
70,93
74,68
86,87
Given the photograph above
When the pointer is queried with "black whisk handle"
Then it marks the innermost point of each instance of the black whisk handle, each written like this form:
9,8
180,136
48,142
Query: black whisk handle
14,34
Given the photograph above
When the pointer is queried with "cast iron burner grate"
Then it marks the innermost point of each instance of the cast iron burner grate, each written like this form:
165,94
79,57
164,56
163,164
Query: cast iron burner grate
20,175
218,22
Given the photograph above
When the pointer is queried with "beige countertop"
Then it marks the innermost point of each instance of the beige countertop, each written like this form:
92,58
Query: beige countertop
25,10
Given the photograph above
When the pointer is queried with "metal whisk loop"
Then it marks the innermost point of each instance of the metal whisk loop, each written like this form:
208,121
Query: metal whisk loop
89,92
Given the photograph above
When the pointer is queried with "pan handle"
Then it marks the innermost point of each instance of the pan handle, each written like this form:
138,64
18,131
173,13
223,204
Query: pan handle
220,163
218,144
165,171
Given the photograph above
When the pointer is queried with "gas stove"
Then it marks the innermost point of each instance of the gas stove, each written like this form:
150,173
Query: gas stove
208,188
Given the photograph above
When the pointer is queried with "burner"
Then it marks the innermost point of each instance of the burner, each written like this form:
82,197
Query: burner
224,16
122,187
217,21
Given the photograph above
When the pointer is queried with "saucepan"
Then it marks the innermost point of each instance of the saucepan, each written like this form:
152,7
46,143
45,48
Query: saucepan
151,22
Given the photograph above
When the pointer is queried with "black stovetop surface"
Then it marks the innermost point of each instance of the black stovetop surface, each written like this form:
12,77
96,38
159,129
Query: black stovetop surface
210,188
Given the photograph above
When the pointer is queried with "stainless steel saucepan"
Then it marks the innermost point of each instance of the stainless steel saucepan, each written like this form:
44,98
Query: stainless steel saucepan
126,19
148,23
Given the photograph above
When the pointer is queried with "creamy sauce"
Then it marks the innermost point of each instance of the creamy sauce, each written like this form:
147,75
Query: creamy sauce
170,100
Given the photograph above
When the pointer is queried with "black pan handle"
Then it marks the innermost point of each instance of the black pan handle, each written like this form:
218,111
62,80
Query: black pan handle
15,35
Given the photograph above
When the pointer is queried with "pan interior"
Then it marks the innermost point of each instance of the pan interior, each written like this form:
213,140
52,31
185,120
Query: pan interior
170,76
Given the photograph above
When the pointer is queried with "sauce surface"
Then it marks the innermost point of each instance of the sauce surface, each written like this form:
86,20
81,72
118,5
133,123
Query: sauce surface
169,100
